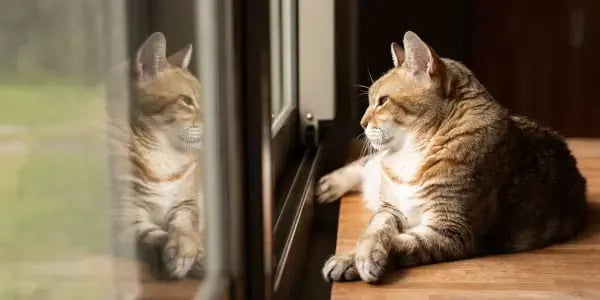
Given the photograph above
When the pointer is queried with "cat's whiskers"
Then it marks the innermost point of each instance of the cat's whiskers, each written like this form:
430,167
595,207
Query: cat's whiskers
370,148
364,149
364,146
364,88
370,76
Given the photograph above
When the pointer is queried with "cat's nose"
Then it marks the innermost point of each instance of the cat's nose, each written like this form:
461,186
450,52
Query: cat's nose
364,121
364,124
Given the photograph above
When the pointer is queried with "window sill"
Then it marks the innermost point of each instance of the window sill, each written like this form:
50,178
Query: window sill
292,228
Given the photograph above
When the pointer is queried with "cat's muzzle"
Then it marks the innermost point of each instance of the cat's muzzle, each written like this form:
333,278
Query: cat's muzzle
377,137
192,137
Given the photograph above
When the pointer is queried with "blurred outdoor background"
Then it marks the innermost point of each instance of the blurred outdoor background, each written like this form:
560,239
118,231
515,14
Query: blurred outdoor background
53,209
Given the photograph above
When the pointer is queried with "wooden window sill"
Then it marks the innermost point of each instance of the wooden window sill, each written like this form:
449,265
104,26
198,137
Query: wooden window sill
562,271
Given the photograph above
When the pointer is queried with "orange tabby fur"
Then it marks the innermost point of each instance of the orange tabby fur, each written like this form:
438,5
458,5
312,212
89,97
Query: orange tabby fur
156,160
454,176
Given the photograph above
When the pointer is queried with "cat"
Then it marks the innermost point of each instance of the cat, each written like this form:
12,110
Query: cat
454,175
155,153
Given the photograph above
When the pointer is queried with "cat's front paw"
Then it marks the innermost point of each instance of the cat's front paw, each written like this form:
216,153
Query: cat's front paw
371,257
331,187
340,268
180,253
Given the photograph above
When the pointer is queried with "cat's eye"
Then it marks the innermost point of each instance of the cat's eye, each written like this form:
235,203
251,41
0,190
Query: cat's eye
186,100
381,100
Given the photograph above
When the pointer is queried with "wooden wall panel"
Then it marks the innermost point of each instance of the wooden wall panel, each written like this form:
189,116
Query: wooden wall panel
540,59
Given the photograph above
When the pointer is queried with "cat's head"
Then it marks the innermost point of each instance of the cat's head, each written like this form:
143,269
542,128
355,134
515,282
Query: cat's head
408,98
166,96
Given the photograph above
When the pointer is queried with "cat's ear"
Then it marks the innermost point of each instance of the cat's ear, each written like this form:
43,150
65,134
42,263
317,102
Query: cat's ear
151,57
181,58
397,54
420,58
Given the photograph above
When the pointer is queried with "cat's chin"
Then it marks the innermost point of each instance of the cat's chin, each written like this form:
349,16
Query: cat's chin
194,146
381,146
187,144
191,145
393,144
378,143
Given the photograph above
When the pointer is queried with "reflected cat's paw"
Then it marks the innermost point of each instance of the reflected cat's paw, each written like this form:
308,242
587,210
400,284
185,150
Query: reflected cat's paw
180,254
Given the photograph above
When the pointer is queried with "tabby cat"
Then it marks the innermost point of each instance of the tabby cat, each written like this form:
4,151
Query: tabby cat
155,160
454,174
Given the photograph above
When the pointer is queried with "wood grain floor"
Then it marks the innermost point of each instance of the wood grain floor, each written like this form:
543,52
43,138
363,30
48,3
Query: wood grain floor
570,270
152,289
133,280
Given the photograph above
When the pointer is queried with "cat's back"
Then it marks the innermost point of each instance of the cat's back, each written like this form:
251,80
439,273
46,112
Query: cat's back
546,162
542,146
543,199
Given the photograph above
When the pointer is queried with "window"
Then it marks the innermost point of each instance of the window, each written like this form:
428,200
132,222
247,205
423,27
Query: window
61,184
284,81
67,75
55,215
301,44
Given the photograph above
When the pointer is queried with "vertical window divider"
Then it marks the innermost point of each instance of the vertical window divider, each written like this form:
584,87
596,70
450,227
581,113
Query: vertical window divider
223,155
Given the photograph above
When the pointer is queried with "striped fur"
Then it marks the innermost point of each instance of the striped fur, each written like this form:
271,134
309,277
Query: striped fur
155,160
454,176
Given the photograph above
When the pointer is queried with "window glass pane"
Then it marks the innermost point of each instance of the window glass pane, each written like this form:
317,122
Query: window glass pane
276,58
54,212
283,60
101,159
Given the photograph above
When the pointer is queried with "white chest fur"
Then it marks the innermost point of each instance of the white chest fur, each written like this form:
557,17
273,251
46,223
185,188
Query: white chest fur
164,197
170,191
391,185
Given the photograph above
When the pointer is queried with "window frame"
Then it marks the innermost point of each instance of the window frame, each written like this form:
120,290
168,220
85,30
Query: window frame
288,154
283,43
217,47
297,155
265,222
255,107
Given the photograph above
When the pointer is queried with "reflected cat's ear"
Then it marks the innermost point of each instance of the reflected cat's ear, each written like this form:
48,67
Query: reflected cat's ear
181,58
420,58
397,54
151,57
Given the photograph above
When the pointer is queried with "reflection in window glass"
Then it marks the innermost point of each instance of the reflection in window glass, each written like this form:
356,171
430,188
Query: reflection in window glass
54,212
69,202
277,101
283,42
155,166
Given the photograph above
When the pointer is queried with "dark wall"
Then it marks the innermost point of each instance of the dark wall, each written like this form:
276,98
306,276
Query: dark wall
173,18
440,23
539,58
